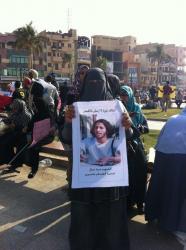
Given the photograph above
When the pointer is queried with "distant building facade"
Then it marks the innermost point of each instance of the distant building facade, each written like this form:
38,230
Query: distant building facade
112,48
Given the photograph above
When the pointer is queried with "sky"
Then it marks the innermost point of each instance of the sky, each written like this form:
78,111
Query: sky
150,21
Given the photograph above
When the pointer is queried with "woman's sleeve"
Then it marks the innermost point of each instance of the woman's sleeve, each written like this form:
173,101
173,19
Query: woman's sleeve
66,135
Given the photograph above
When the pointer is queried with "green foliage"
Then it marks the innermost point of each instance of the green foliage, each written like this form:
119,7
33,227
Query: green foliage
101,62
160,56
28,38
66,58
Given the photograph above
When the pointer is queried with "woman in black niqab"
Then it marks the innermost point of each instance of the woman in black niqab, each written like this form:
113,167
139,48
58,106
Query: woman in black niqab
98,215
95,86
114,84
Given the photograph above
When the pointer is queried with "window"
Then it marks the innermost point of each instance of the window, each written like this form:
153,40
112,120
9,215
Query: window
69,45
13,71
54,53
56,66
49,65
49,54
19,59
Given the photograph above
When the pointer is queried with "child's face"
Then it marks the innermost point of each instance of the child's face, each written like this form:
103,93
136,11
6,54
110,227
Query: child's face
100,130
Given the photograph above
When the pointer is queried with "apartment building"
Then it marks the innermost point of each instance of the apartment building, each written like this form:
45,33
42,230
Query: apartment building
60,52
112,48
83,51
59,55
12,61
168,71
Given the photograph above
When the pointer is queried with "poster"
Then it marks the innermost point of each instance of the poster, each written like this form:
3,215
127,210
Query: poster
99,145
41,130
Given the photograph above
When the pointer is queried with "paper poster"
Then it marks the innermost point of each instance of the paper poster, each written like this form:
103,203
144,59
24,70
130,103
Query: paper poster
172,95
99,145
41,130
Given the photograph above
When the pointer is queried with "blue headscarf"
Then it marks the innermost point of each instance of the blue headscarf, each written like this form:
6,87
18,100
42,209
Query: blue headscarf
132,106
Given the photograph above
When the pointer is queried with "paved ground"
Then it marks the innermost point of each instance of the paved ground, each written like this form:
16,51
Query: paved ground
34,215
156,125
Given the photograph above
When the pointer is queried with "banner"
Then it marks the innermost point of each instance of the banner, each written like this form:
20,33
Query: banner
99,145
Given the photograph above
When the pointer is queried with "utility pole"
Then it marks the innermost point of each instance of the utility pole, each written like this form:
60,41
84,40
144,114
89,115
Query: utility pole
68,19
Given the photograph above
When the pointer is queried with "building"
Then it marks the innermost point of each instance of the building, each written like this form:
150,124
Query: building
83,51
169,70
112,48
60,53
12,62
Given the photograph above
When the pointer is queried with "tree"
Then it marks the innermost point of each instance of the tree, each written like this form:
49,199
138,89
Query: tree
160,56
27,38
67,58
101,62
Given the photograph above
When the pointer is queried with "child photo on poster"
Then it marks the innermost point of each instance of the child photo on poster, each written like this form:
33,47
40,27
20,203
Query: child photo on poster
99,145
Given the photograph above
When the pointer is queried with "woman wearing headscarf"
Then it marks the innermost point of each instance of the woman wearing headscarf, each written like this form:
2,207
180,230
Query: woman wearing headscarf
18,122
98,215
136,156
166,195
114,84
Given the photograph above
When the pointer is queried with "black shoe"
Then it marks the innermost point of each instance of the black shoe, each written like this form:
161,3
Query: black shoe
31,175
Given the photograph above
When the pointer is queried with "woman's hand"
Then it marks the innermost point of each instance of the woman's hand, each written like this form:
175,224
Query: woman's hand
126,121
69,113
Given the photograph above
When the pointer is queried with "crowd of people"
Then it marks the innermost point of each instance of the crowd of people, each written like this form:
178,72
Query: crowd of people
99,215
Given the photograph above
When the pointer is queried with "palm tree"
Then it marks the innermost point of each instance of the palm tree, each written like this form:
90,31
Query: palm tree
67,58
160,56
101,62
27,38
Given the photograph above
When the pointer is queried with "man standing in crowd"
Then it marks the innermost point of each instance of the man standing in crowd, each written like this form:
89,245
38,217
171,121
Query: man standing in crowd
167,91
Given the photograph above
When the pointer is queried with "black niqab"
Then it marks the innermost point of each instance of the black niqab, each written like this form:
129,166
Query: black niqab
95,86
114,83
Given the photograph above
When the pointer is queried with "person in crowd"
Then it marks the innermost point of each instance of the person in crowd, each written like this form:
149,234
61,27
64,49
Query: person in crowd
53,80
54,98
27,83
102,210
18,92
101,148
137,95
137,161
114,83
153,93
166,194
41,111
179,98
167,90
18,121
49,92
80,75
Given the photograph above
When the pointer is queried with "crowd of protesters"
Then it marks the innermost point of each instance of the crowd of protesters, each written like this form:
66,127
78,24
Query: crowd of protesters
99,215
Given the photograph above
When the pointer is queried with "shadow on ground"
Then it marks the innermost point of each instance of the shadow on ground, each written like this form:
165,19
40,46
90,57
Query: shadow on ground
34,215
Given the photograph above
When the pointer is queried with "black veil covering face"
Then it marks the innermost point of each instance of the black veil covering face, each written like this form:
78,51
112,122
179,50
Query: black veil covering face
114,83
95,86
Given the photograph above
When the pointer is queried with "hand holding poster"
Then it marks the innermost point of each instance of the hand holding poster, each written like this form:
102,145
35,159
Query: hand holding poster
99,145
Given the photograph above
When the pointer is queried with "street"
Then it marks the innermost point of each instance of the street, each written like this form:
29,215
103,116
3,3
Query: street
34,215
